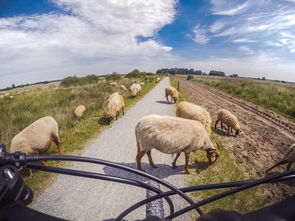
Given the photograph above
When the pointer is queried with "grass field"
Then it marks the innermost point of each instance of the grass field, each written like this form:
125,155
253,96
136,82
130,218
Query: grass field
276,96
225,169
31,103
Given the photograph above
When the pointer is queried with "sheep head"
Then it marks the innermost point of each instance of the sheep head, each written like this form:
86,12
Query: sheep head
212,155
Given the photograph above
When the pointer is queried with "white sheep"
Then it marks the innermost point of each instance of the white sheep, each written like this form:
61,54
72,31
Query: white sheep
123,87
113,83
37,137
135,89
115,104
172,135
288,158
194,112
79,111
172,92
141,83
158,79
226,117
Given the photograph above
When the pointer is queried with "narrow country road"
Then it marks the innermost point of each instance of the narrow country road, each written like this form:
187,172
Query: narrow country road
76,198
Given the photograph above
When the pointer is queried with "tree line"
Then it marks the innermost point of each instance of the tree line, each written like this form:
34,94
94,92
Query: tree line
187,71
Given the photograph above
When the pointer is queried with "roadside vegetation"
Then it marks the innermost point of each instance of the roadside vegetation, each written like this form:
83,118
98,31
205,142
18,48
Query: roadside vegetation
225,169
59,101
276,96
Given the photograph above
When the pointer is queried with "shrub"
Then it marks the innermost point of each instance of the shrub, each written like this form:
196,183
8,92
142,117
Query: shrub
75,81
135,74
189,77
114,76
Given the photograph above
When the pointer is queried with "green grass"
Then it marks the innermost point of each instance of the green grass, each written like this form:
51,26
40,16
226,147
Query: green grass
225,169
60,102
278,97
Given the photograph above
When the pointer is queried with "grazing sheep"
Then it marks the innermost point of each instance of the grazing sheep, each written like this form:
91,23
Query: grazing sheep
37,137
141,83
116,103
172,135
158,79
194,112
135,89
79,111
226,117
172,92
123,87
288,158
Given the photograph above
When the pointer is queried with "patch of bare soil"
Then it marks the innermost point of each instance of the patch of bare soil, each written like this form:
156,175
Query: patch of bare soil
261,142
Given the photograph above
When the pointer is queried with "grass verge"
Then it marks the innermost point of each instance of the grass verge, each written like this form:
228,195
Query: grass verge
225,169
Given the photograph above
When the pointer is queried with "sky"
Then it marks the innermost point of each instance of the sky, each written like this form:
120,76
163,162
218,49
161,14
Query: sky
44,40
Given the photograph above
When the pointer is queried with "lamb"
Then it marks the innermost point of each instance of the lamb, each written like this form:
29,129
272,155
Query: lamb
116,103
123,87
172,92
79,111
135,89
226,117
288,158
194,112
172,135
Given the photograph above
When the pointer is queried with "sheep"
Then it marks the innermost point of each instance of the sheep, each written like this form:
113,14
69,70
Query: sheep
172,135
141,83
194,112
37,137
79,111
226,117
135,89
123,87
115,104
172,92
158,79
288,158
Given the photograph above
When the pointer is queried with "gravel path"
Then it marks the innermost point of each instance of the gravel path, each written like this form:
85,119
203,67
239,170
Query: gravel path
87,199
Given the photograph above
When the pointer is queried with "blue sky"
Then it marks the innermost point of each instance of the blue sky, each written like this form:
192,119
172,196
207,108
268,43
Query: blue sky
51,39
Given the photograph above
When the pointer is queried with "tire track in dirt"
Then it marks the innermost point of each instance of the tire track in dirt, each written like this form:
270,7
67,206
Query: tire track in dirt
262,142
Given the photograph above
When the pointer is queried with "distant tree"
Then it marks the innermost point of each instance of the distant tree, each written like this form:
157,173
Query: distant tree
263,78
135,74
13,85
114,76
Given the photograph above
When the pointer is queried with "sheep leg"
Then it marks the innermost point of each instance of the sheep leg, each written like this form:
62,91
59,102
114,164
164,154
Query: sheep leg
289,165
123,110
117,115
278,164
57,142
186,163
228,130
216,124
138,160
174,161
150,159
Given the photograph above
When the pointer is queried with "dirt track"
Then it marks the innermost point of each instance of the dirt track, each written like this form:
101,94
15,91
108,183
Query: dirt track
261,143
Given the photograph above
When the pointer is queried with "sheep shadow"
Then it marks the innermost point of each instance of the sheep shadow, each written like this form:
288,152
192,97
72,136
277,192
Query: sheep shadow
223,133
162,171
164,102
103,121
199,166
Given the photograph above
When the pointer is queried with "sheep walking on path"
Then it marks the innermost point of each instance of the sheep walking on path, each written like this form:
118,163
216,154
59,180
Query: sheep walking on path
172,135
135,89
194,112
289,158
226,117
116,103
172,92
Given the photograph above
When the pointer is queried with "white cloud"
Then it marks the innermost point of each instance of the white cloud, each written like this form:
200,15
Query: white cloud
92,34
217,26
242,40
228,7
245,49
200,35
